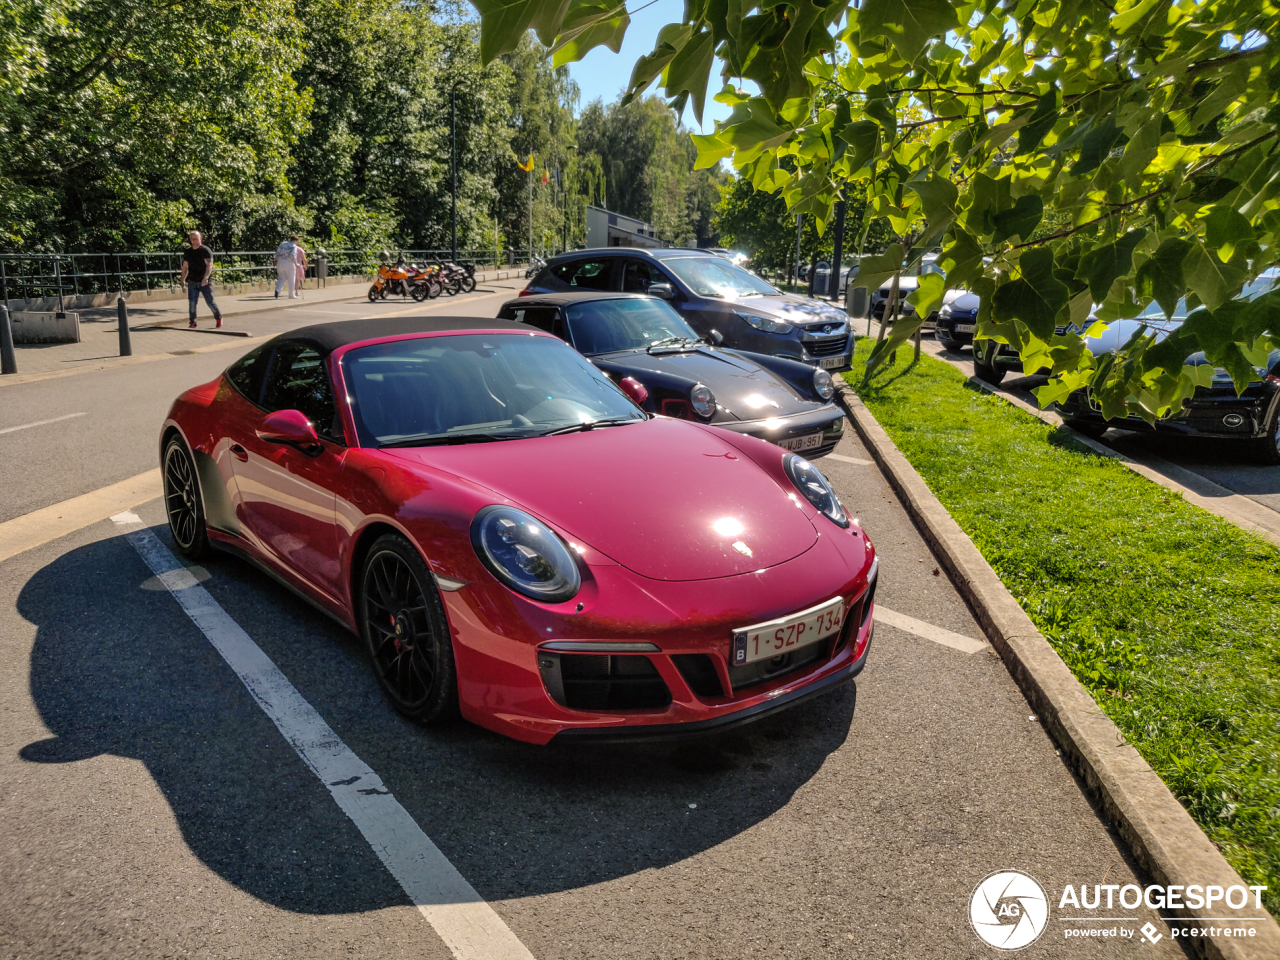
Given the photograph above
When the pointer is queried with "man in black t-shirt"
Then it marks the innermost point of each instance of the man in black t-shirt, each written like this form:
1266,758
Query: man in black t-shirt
197,271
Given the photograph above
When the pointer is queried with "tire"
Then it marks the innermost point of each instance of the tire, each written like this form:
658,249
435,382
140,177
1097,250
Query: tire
468,284
1089,428
1266,449
420,292
991,375
382,293
374,293
451,287
183,504
437,288
405,632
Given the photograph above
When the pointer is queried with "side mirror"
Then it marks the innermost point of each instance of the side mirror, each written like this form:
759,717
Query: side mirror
664,290
292,428
634,389
856,301
716,337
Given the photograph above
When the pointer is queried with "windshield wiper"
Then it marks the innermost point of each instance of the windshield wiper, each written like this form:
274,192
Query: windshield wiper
672,342
589,425
435,440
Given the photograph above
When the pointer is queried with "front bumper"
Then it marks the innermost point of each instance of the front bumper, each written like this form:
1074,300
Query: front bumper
945,329
1210,413
827,420
507,659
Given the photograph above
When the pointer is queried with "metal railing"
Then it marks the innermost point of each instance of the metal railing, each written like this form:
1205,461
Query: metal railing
37,276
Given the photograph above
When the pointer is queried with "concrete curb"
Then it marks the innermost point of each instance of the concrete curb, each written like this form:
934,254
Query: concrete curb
1169,845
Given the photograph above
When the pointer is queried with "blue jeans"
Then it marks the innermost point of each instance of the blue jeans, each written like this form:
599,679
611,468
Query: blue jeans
193,297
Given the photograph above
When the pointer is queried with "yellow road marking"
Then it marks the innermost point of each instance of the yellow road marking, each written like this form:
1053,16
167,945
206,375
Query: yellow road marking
49,523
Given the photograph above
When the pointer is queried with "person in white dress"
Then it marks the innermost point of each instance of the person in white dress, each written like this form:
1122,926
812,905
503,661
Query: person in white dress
287,267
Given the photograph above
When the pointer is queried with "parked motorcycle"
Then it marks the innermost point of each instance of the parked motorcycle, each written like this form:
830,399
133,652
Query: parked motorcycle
458,278
392,279
425,283
536,263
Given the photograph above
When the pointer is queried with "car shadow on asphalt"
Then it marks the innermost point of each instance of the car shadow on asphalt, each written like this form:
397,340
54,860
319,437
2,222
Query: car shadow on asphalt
117,668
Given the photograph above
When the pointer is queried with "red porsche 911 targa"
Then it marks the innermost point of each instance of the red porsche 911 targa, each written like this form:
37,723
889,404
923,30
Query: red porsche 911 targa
514,538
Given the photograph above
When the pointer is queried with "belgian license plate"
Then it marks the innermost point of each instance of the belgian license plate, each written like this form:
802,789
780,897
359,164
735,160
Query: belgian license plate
766,640
834,363
964,328
809,441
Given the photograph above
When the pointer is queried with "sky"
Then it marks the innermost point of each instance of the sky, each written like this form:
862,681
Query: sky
603,73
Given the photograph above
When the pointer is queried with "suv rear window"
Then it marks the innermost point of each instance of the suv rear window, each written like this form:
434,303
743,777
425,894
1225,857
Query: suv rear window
585,274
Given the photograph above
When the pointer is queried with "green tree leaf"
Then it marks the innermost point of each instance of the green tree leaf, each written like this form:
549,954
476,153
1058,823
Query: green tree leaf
1108,261
1213,281
1035,297
908,24
1020,220
1161,277
875,270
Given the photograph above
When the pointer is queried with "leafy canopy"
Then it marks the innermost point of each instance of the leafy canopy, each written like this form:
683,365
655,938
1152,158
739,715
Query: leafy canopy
1061,153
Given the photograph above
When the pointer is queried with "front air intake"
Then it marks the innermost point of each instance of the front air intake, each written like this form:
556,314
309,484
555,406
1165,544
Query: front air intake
602,681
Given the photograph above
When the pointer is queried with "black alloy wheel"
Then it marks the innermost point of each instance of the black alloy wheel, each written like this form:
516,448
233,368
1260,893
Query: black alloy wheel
468,284
451,287
420,292
182,501
404,627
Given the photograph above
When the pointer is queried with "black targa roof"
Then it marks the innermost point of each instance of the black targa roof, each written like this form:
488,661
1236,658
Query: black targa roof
330,336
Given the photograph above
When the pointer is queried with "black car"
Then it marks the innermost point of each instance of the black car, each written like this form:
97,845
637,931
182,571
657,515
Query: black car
1213,411
722,302
632,335
957,320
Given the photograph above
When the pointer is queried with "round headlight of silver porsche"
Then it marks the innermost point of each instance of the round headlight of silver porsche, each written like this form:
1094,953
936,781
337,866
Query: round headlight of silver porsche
823,383
702,400
815,488
525,554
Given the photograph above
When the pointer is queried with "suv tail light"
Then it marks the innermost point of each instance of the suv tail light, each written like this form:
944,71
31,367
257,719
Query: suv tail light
526,292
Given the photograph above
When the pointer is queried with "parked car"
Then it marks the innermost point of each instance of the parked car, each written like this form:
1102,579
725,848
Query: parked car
632,335
1213,411
957,319
907,284
720,301
736,257
513,538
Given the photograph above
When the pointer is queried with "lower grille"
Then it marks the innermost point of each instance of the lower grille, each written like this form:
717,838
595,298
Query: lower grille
602,681
749,674
827,348
699,672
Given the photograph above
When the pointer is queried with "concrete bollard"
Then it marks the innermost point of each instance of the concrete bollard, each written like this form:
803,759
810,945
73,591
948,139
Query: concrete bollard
122,312
8,361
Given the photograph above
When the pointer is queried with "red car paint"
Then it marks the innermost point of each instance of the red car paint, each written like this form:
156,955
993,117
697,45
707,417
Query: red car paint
638,503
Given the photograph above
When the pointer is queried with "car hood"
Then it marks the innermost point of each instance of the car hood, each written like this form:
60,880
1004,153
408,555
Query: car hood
674,523
1118,332
961,300
789,307
744,389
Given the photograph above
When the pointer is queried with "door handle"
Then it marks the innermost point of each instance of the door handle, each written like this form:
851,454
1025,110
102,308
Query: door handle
240,453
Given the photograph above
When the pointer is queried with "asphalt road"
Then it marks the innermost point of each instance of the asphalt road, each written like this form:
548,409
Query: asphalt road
149,808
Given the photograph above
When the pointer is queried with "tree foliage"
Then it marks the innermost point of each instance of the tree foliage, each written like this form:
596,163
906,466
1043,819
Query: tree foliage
1059,152
649,166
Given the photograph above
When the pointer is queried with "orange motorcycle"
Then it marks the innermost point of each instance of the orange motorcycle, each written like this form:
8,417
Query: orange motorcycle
392,279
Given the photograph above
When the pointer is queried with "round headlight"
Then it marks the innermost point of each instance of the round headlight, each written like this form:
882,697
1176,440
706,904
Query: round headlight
945,311
814,487
767,324
823,384
524,554
702,400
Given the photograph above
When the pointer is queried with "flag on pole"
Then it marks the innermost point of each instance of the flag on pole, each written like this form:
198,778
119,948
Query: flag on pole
545,178
526,167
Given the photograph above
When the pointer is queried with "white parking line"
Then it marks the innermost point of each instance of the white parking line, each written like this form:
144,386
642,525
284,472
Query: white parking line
470,928
41,423
844,459
928,631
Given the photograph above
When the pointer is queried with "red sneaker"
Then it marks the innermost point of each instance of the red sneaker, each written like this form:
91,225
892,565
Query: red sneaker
219,325
192,325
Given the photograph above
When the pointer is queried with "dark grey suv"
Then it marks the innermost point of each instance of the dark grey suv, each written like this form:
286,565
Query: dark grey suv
722,302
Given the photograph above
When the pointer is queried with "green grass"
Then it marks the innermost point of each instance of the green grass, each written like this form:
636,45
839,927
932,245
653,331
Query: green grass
1168,615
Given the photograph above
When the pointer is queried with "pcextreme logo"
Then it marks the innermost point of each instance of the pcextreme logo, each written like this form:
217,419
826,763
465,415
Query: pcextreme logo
1008,910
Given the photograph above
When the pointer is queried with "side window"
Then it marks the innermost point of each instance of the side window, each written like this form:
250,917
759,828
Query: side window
585,274
298,381
544,318
246,373
637,275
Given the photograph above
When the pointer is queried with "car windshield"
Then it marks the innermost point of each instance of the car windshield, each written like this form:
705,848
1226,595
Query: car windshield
469,388
603,326
1254,288
714,277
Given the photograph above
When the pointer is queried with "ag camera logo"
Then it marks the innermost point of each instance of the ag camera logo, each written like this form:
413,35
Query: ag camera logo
1008,910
